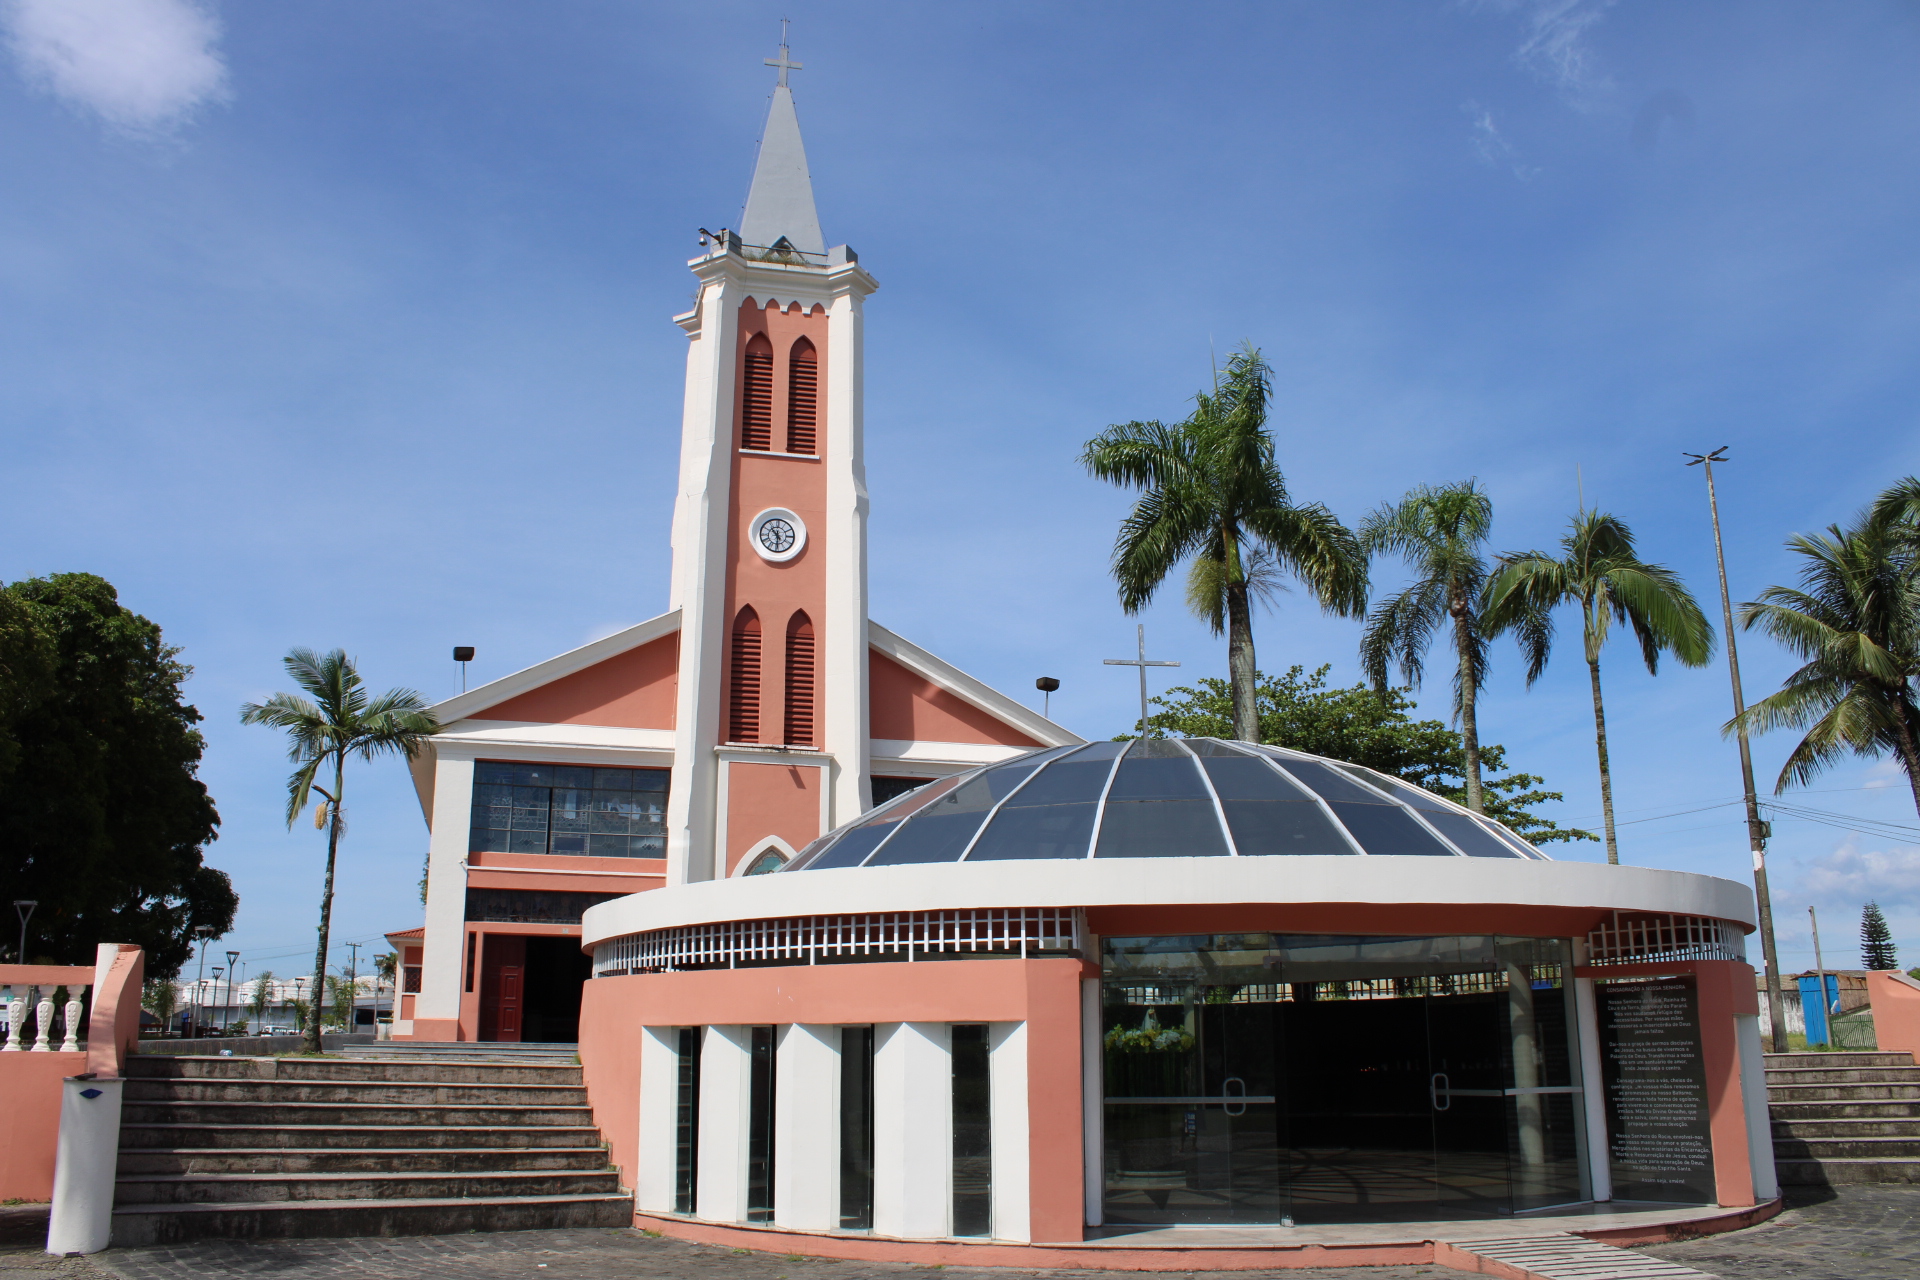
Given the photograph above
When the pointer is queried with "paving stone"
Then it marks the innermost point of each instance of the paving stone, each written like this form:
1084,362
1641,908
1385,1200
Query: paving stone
1843,1233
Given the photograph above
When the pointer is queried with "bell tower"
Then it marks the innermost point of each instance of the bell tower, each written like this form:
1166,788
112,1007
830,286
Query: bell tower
771,743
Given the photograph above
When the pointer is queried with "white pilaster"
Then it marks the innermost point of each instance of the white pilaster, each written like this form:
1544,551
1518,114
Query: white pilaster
659,1117
701,511
806,1117
1753,1095
912,1128
844,723
443,951
1007,1104
1093,1115
726,1064
1593,1092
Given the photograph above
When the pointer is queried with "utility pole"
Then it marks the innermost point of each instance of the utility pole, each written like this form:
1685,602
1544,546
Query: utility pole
1757,831
1820,977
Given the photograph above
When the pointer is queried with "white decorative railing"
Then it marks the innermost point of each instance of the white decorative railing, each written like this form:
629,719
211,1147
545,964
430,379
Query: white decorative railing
881,935
40,999
1645,938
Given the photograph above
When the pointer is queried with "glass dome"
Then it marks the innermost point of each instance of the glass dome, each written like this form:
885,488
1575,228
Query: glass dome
1160,798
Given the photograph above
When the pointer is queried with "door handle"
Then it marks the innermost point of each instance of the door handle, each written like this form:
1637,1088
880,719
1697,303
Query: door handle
1438,1089
1227,1100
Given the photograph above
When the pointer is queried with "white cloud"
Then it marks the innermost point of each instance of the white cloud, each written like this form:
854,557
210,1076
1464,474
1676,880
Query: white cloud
1555,46
1851,874
1492,146
142,66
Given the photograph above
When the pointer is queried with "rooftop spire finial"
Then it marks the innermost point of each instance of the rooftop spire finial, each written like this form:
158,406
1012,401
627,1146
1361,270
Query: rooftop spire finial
783,62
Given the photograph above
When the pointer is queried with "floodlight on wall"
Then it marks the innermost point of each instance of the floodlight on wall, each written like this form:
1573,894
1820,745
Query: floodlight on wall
1046,685
463,654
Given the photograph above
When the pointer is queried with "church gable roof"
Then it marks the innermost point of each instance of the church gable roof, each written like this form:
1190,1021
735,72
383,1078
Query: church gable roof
626,680
938,701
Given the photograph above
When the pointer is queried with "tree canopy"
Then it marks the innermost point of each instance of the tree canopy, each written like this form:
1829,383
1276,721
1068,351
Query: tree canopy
1367,727
104,813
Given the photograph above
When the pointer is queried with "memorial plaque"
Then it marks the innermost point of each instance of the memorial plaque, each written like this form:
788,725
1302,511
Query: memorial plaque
1659,1143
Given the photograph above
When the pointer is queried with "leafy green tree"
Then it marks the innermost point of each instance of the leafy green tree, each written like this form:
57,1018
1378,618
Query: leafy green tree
340,996
1211,492
1876,940
104,817
337,719
1370,727
1854,621
1441,531
161,998
1599,571
262,998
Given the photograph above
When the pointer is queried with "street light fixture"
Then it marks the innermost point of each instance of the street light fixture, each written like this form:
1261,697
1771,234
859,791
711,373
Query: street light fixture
205,932
225,1012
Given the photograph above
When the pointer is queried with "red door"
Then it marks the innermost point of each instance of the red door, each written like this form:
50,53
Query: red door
503,968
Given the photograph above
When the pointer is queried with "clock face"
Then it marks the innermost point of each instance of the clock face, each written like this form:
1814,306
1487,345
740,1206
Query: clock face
776,535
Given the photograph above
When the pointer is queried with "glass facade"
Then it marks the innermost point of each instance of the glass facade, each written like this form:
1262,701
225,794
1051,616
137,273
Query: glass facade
856,1128
972,1133
568,809
1263,1078
531,906
686,1123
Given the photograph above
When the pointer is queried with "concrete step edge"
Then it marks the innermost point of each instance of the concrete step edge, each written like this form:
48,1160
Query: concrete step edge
281,1176
313,1206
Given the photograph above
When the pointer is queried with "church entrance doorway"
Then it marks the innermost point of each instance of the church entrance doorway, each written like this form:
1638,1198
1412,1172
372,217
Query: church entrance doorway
1257,1078
530,988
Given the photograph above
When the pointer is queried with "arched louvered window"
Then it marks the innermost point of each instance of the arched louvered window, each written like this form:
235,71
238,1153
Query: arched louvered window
756,396
803,386
800,682
743,705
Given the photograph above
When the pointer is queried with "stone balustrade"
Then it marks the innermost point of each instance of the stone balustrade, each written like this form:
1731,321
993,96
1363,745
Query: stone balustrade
35,1024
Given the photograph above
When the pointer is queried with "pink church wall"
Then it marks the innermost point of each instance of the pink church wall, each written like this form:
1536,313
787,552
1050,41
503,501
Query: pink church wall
761,480
902,705
770,800
1896,1010
631,690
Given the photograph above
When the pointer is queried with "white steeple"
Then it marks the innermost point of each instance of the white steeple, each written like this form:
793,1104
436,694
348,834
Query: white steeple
780,202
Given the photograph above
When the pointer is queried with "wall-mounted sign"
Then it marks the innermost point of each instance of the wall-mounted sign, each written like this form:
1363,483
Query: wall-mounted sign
1658,1138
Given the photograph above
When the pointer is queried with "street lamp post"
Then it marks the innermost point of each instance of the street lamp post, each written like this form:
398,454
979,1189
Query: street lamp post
226,1012
23,907
1757,830
205,932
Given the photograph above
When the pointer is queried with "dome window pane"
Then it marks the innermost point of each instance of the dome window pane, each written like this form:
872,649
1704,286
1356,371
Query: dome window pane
1473,840
1330,784
941,829
1265,827
1037,831
1161,829
1388,829
859,841
1244,778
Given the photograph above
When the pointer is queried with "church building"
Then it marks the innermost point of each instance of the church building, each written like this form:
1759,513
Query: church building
763,708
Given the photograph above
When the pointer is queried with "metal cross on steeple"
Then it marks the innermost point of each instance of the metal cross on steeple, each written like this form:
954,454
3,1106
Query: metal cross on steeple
783,62
1142,663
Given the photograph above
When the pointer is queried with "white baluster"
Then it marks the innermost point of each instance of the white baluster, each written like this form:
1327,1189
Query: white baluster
74,997
43,1021
16,1014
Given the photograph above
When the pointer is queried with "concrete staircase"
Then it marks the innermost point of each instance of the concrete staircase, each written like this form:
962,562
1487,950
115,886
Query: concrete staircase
1845,1118
378,1143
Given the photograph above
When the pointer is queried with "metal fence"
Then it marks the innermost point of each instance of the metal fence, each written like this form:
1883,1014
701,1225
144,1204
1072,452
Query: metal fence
883,935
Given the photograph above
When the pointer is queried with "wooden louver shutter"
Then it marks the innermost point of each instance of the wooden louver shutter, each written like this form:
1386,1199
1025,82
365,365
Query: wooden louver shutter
800,681
756,397
803,382
743,704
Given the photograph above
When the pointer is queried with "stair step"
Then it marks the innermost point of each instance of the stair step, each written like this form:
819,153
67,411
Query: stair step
1832,1110
436,1070
1842,1058
1778,1076
336,1136
1843,1092
171,1223
1903,1148
406,1093
287,1160
1858,1172
1825,1127
271,1188
179,1113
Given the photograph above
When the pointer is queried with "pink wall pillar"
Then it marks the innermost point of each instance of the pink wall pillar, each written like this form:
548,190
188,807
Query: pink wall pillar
1896,1010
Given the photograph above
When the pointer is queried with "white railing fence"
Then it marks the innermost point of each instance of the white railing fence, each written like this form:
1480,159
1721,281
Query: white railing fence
881,935
40,1000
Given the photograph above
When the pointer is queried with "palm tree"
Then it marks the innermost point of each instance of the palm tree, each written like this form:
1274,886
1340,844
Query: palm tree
262,997
336,720
1854,620
1210,491
1440,530
1598,570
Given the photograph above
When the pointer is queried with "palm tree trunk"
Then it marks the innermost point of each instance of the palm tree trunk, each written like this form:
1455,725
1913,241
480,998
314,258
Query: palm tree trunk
326,911
1909,750
1606,769
1469,695
1240,667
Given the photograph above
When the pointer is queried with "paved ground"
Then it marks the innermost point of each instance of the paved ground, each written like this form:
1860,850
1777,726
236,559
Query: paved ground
1855,1233
1848,1233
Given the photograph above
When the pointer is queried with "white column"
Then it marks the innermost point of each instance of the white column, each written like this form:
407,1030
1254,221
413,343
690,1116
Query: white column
444,950
843,632
1753,1094
806,1135
726,1066
912,1129
659,1119
1093,1120
1593,1086
1007,1103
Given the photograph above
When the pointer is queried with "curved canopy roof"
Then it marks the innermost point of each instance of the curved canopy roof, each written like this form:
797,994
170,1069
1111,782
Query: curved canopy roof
1161,798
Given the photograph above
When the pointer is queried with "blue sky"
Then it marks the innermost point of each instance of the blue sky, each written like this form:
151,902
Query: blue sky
348,325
